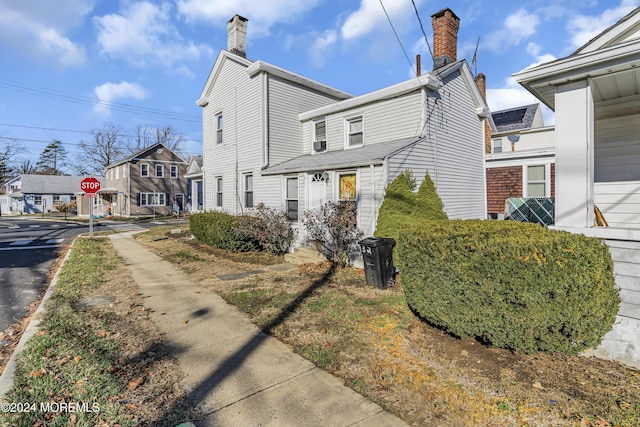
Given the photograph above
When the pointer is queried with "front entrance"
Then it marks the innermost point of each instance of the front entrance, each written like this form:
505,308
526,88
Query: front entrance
317,190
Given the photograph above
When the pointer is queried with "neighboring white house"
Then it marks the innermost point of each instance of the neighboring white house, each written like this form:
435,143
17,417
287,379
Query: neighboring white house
195,198
276,137
595,93
26,194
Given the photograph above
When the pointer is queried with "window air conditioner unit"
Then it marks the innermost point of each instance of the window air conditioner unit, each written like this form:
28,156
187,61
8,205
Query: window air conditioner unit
319,145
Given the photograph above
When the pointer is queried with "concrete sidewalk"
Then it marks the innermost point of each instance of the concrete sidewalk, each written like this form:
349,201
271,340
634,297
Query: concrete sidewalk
237,375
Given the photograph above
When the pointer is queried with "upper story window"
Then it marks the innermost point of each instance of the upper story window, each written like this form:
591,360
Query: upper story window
144,170
174,171
219,128
159,171
354,132
320,136
117,172
496,145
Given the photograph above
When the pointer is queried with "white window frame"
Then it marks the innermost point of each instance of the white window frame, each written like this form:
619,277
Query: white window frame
526,182
248,191
161,166
219,193
37,197
316,139
289,198
218,126
173,171
117,172
153,199
494,142
143,167
347,131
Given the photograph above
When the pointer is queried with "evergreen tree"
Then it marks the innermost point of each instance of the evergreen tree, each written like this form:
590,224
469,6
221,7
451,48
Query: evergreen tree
52,159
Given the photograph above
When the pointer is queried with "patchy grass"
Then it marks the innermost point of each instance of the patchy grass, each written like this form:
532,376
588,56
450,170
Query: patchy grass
107,359
370,339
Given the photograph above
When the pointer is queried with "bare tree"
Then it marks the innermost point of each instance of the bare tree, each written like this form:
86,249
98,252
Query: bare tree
26,167
146,136
106,147
9,148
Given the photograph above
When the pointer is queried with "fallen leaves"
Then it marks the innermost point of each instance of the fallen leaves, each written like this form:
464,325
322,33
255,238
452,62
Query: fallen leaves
134,384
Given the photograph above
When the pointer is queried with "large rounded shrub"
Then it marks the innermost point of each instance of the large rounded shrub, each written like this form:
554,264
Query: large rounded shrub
513,285
219,229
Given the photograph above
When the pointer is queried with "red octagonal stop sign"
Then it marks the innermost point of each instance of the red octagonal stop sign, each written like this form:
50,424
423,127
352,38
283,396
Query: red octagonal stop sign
90,185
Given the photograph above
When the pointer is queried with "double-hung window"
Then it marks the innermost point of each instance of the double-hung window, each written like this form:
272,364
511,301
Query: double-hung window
159,171
536,182
218,191
173,171
354,132
319,136
144,170
497,145
248,190
291,199
218,124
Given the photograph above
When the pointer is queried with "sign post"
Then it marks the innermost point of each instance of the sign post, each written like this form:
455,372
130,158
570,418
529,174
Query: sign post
90,186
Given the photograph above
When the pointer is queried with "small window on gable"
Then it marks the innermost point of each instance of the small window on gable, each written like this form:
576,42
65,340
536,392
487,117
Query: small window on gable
320,136
354,132
218,128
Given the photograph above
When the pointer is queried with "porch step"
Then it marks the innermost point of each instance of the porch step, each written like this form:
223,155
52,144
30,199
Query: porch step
304,255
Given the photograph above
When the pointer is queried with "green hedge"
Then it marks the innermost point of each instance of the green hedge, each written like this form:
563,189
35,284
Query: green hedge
513,285
219,229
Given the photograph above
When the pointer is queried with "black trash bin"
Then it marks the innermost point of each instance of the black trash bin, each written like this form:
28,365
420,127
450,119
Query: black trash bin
377,254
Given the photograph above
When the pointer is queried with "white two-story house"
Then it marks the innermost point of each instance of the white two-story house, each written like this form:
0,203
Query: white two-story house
276,137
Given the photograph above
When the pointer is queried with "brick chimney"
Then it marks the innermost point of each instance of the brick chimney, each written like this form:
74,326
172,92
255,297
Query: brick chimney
481,82
445,25
237,35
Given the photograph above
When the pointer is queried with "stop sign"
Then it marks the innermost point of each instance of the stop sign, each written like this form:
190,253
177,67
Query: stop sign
90,185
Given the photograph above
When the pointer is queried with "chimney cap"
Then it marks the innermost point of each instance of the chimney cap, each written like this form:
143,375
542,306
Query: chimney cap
241,18
443,11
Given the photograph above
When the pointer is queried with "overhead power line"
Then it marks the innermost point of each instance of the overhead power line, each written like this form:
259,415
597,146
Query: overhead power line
398,38
78,99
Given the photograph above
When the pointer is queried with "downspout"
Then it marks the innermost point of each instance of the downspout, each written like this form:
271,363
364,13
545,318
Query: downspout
128,198
264,89
374,207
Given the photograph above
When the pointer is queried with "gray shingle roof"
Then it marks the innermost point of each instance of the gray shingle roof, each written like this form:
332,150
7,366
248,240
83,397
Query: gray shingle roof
52,184
363,156
518,118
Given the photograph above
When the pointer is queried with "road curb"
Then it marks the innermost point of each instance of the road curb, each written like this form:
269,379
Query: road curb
8,375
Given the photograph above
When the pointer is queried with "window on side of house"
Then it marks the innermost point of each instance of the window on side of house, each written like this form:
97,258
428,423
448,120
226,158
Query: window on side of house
159,171
496,145
144,170
117,172
218,126
218,191
291,198
319,136
37,200
355,133
153,199
56,198
536,182
248,190
173,171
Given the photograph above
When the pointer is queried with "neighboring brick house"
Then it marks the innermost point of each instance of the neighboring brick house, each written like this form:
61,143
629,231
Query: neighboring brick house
520,161
146,183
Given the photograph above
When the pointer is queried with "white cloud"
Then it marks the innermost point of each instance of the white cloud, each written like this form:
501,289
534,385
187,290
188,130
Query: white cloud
262,14
39,28
583,28
143,34
111,92
370,17
516,27
319,50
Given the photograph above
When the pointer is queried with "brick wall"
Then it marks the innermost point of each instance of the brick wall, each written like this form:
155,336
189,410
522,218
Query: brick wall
503,183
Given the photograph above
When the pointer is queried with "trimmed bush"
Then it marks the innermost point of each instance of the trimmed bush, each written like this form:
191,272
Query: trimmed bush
269,227
401,206
219,229
513,285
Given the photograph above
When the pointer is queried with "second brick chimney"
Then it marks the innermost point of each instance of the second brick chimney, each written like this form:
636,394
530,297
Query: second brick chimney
237,35
445,25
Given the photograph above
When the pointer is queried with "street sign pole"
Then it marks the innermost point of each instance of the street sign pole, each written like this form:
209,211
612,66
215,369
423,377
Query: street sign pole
91,218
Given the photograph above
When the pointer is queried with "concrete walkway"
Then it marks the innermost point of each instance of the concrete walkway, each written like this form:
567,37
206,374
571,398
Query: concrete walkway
236,374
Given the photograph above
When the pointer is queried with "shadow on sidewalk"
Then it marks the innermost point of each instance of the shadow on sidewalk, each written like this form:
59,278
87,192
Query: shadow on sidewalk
235,360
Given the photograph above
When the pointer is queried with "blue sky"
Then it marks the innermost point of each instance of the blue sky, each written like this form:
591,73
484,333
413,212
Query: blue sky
71,66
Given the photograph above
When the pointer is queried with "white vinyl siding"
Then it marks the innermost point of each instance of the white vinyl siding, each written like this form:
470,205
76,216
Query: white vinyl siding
619,203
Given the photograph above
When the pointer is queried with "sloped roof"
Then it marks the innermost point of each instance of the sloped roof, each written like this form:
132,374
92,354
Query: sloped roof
517,118
134,156
195,167
52,184
340,159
